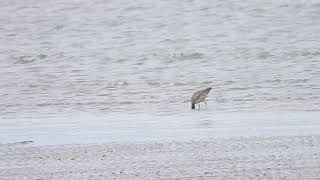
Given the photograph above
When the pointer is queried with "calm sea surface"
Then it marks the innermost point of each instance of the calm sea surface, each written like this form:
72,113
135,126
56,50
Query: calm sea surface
135,61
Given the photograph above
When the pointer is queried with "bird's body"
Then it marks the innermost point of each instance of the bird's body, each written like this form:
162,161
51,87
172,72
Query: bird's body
199,96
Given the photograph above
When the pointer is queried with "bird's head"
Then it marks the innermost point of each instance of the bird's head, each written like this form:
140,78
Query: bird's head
208,89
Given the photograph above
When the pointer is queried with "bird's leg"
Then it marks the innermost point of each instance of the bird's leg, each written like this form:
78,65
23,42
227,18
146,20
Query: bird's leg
199,106
206,104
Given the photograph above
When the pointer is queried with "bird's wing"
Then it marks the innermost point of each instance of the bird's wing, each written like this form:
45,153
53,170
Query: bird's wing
195,96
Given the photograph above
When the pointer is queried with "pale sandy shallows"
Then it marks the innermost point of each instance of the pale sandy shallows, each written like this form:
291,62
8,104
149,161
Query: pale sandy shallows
242,158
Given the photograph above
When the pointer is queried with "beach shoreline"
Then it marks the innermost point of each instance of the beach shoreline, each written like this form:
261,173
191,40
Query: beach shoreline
278,157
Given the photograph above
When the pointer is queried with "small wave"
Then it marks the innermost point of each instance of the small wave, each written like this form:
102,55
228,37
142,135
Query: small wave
271,99
121,60
264,55
186,56
206,82
244,99
153,83
221,35
136,8
18,143
294,54
58,27
52,104
24,59
126,102
167,41
11,34
238,88
273,81
120,83
289,81
42,56
179,84
298,80
228,82
139,63
316,53
103,94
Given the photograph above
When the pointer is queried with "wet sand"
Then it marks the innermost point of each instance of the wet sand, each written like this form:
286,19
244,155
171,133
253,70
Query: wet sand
282,157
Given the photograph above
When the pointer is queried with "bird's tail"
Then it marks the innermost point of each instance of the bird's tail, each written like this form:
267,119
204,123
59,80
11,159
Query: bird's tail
193,106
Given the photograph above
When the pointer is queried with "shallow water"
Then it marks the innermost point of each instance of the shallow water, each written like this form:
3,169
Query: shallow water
199,125
147,57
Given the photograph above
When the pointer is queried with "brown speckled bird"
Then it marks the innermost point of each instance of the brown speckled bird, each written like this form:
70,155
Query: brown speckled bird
199,96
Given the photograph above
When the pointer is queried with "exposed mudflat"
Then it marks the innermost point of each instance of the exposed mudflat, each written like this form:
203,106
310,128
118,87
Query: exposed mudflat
295,157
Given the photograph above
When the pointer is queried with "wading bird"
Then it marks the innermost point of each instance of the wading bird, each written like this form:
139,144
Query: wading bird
199,96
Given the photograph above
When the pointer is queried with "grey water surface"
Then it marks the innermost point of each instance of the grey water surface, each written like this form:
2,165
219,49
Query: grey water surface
137,62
